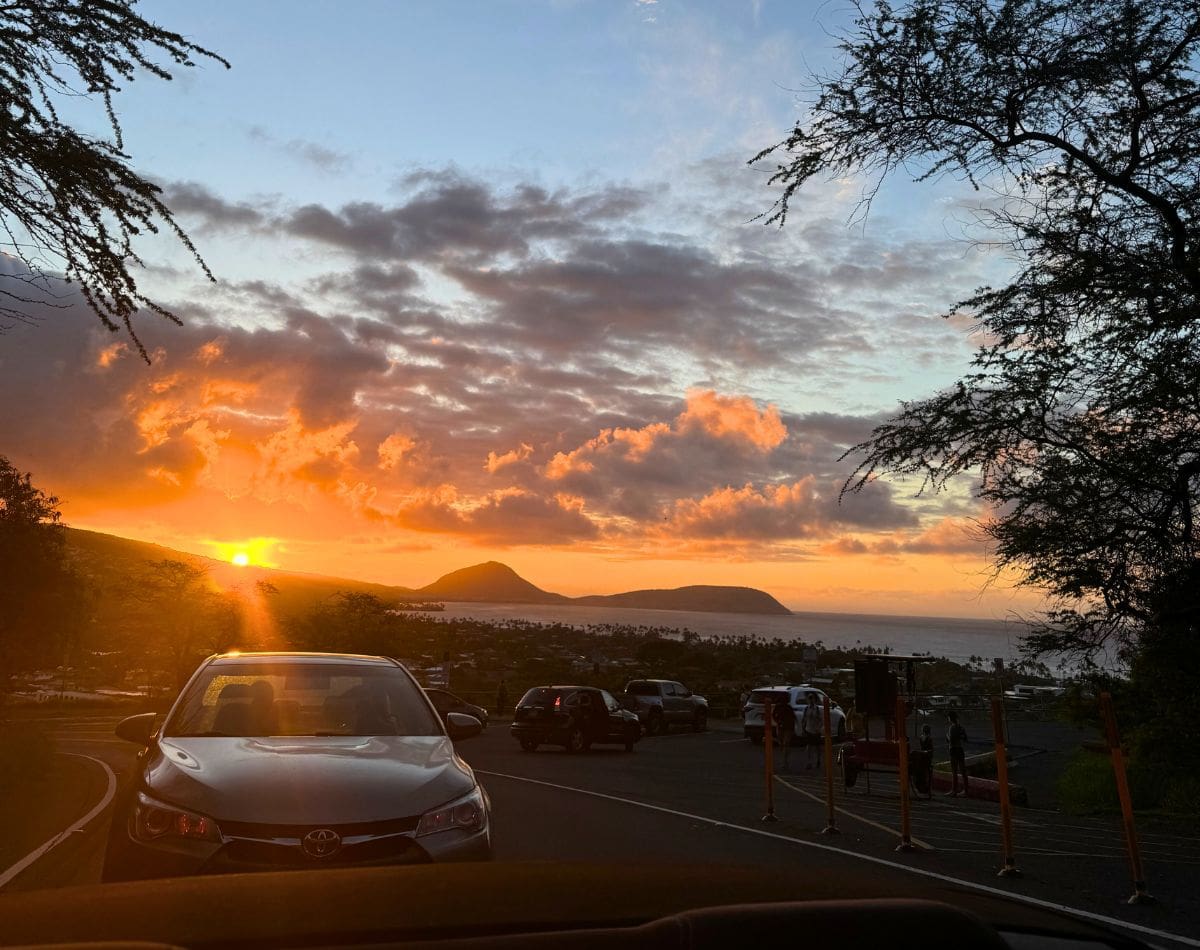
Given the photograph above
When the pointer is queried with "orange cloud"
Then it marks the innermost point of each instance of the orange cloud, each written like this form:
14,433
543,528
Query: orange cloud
393,449
496,462
732,417
773,511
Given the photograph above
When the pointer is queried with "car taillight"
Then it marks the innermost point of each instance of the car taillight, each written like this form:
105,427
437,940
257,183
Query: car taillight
558,702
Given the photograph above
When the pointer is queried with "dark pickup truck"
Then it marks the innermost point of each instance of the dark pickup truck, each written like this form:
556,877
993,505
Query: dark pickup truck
660,704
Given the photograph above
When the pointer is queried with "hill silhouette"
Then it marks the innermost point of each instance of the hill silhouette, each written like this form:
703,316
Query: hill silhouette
111,560
491,581
700,597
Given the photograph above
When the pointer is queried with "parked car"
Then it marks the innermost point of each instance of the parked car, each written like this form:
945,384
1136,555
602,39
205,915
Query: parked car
269,761
445,702
797,698
660,704
575,717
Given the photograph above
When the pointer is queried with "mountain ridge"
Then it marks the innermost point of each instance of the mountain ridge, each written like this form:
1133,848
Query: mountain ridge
488,582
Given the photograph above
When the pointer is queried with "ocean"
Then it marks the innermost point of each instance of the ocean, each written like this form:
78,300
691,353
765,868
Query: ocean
954,638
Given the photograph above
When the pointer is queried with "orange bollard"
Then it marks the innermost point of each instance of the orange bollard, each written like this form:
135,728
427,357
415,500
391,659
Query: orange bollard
905,803
1010,864
831,819
769,761
1140,896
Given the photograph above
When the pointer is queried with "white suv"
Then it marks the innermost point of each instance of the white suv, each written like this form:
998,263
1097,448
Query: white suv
797,698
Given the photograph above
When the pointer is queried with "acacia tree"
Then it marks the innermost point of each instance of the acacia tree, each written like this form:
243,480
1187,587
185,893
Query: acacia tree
1080,418
71,203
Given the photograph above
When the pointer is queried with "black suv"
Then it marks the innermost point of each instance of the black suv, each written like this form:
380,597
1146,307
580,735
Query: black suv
575,717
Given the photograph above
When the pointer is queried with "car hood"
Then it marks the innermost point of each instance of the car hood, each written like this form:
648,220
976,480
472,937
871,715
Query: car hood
307,780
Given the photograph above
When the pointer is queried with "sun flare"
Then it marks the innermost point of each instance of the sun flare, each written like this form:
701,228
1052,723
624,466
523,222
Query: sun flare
241,559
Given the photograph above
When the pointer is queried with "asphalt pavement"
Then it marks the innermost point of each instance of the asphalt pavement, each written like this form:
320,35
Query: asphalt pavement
700,798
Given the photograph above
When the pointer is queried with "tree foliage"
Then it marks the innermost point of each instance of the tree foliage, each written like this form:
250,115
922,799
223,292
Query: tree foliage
1080,417
41,599
71,202
184,617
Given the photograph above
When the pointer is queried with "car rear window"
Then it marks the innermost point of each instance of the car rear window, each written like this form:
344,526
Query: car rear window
642,689
540,696
760,696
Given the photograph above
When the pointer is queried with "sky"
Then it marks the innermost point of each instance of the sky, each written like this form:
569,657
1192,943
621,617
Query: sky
490,287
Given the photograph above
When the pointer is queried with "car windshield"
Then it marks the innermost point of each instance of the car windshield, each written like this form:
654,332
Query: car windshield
433,431
280,699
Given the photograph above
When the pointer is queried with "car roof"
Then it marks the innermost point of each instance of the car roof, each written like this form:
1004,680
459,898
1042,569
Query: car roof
566,686
239,659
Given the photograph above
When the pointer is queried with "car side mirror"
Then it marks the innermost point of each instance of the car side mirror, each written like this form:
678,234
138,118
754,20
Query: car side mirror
137,729
460,726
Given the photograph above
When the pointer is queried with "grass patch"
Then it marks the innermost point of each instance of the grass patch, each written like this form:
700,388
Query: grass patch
26,754
1087,786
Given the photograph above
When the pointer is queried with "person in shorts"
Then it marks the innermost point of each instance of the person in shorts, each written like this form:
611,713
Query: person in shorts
956,737
812,729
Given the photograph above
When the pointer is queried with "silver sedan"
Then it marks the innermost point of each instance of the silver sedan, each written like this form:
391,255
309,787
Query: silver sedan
270,761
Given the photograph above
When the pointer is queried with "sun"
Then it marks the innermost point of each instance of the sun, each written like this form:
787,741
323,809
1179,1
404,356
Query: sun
241,559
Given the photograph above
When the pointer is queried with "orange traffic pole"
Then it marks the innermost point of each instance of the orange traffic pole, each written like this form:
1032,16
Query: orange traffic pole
902,755
1140,896
831,827
1010,864
769,761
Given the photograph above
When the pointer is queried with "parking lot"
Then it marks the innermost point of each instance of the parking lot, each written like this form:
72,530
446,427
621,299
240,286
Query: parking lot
700,796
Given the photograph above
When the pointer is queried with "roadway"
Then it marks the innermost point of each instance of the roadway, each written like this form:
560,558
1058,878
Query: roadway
699,798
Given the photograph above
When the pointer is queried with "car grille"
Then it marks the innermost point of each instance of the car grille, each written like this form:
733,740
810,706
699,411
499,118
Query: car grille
398,849
258,845
391,826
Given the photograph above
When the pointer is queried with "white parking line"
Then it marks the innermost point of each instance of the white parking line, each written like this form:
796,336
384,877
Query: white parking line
871,859
924,845
58,839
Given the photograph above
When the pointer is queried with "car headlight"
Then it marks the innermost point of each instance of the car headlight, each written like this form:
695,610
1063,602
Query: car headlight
467,813
153,820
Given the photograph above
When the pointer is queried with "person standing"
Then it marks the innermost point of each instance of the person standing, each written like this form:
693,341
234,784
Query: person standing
785,726
956,737
927,749
812,728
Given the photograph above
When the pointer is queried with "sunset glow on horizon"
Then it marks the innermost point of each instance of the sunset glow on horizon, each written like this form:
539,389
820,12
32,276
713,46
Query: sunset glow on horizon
445,333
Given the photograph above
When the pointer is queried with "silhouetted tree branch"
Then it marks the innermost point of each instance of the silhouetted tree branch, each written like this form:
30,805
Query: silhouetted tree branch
1079,421
69,202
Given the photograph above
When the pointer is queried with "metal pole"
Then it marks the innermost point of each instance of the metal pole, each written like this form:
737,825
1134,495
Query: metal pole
769,761
902,754
831,820
1140,896
1010,865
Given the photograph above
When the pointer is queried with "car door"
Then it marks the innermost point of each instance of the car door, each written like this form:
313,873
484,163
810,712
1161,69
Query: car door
682,703
441,701
593,715
679,703
615,720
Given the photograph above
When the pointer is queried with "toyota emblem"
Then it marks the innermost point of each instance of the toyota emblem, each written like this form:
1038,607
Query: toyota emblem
322,843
